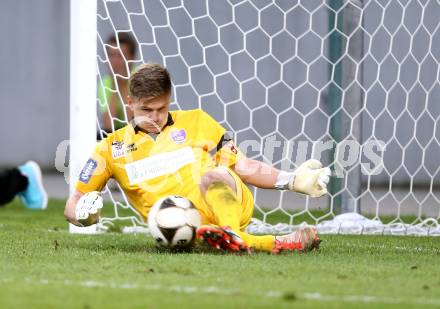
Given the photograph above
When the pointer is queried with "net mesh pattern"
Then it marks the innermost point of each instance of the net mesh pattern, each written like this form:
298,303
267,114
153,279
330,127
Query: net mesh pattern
294,80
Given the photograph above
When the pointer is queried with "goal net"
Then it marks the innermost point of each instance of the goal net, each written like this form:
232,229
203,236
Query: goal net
354,84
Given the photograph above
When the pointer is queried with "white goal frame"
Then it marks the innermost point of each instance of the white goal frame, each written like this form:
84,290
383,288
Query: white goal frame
83,64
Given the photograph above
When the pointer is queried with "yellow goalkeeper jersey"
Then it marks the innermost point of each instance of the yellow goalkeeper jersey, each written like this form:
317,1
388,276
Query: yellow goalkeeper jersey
149,166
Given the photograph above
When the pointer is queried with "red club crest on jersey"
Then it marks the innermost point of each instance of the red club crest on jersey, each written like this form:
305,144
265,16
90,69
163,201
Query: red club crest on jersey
231,146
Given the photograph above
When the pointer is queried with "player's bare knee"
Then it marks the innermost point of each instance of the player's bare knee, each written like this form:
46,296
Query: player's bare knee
211,177
216,175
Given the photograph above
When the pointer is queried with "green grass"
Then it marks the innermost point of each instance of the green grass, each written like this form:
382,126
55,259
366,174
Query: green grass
43,266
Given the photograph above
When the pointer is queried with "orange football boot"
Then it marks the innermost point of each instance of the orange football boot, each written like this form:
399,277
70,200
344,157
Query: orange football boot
222,238
303,240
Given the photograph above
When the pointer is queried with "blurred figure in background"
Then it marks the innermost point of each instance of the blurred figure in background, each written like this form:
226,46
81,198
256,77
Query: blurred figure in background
113,87
26,181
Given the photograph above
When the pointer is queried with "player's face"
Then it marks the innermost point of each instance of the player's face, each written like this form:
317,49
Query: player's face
151,114
117,58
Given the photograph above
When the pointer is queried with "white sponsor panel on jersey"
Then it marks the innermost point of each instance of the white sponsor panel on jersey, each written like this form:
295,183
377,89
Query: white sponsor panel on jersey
159,165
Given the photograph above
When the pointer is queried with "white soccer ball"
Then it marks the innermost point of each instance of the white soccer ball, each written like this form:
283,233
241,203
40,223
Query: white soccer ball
173,221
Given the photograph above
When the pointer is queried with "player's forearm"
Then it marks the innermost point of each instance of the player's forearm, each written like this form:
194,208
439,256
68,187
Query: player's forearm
309,178
257,173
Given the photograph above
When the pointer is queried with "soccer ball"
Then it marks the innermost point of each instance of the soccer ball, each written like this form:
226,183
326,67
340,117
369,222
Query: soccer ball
173,221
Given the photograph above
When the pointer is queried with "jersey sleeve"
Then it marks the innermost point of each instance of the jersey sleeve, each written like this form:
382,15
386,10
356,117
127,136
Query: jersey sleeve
97,170
228,154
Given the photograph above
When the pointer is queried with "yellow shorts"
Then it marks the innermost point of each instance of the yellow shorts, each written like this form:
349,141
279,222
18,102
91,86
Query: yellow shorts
244,196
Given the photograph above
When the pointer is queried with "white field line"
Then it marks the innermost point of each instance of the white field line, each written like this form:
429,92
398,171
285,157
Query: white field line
220,291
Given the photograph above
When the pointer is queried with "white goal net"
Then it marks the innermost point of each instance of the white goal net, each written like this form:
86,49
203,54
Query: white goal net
354,84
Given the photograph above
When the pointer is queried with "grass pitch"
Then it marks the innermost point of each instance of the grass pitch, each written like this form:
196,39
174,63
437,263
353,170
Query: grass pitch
43,266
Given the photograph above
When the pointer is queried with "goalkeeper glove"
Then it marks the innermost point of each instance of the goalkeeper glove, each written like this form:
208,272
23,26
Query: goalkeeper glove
88,208
309,178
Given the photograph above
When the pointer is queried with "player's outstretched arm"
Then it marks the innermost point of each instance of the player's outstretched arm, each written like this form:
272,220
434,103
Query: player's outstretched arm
83,209
309,178
256,173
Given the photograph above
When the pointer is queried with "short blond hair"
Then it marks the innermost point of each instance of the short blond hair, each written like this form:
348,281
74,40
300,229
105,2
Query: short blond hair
150,80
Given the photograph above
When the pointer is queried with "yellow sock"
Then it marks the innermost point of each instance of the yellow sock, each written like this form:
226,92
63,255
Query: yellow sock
227,211
261,243
224,205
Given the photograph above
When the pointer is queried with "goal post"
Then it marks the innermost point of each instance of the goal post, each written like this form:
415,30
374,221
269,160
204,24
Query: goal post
353,83
83,64
346,16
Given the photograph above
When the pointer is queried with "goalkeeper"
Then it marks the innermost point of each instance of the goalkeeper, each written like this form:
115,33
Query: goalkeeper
187,153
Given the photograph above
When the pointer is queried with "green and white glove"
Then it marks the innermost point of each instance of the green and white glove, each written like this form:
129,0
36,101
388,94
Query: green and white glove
88,208
309,178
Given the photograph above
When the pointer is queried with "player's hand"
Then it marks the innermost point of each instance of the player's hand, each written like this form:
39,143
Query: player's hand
88,208
311,178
